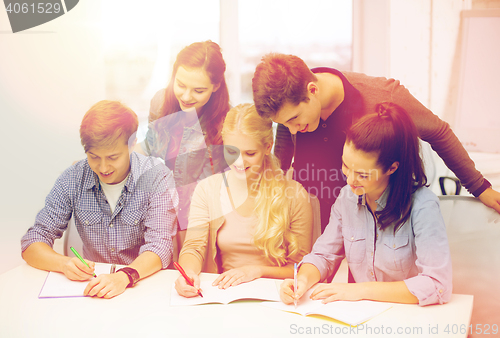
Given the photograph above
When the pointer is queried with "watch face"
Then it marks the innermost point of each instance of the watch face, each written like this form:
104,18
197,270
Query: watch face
132,274
135,275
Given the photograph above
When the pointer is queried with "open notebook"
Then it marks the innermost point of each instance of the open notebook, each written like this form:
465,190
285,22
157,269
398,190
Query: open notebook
352,313
260,289
58,285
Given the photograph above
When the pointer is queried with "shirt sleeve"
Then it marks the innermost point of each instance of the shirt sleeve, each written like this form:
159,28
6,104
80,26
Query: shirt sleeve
433,284
52,220
160,225
151,144
197,234
301,220
441,138
283,149
328,251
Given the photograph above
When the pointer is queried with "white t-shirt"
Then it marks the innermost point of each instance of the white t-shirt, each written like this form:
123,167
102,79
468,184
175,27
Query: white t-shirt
113,192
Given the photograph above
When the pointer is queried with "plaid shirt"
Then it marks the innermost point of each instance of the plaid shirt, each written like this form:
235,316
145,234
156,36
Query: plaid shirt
143,219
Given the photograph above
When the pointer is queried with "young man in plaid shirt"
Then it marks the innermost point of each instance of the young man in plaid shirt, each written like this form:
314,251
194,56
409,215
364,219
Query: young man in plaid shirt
123,204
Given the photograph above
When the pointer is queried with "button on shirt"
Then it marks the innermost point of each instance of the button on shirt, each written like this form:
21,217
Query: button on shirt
418,253
142,221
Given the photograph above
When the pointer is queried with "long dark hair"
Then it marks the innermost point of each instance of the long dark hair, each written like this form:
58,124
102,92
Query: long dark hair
391,133
206,55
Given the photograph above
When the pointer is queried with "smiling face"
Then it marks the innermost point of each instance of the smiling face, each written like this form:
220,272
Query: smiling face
112,163
251,154
193,88
303,117
364,175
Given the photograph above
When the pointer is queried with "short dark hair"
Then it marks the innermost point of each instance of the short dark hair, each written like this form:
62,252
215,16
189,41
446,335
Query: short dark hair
391,133
279,79
105,122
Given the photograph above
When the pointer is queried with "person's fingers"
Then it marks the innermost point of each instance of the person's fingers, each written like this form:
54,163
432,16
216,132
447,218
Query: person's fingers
226,282
301,289
331,298
104,291
84,268
184,289
286,292
91,264
90,286
317,291
218,279
94,290
238,280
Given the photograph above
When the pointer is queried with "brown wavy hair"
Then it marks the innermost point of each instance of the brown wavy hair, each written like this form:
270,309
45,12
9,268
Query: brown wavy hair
280,79
391,133
206,55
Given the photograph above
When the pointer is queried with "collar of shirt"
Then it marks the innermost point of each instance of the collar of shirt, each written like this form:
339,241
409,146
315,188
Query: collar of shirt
91,180
381,201
352,102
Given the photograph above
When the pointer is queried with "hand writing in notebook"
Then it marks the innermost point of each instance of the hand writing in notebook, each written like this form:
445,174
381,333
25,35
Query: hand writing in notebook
75,269
287,293
338,291
237,276
183,288
107,285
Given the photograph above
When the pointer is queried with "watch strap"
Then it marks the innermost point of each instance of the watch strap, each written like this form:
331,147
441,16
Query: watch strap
132,274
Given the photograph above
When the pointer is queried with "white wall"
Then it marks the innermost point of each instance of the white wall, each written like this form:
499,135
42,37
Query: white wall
51,74
416,42
49,77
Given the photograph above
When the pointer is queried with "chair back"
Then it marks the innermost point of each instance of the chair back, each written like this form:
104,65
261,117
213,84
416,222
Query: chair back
72,239
474,236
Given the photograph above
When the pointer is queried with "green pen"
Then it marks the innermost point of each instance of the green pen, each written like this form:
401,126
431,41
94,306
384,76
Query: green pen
80,258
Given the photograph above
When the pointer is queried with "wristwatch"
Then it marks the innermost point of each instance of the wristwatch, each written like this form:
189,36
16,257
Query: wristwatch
133,275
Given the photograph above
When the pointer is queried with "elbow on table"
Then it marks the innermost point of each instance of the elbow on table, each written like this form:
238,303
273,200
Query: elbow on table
441,295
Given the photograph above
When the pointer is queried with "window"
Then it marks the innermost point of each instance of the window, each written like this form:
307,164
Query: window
318,31
141,40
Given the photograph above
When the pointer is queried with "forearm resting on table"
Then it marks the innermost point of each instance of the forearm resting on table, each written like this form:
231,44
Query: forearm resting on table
394,292
41,256
146,264
278,272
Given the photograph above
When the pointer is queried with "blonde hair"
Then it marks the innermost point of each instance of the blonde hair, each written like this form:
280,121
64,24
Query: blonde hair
272,206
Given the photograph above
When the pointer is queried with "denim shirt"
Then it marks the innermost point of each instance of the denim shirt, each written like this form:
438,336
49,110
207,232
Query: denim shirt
417,253
191,165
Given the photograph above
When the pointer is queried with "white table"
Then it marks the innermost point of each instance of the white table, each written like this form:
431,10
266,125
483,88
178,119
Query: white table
144,311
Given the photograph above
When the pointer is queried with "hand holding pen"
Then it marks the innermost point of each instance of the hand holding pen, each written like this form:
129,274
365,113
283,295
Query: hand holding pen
190,281
295,284
81,258
77,268
291,290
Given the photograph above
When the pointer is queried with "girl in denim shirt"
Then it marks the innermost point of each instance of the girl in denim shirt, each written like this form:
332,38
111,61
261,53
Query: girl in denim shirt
186,120
386,222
